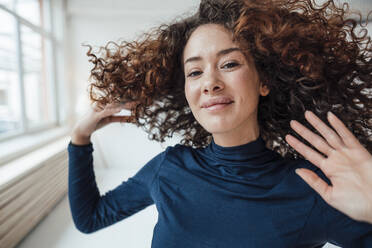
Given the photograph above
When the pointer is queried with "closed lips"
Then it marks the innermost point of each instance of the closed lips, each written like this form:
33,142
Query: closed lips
215,101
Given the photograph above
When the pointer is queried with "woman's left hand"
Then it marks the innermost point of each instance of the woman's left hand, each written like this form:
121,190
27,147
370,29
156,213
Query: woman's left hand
346,163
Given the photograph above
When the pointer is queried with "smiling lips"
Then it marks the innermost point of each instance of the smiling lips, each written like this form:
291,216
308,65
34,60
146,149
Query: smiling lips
217,103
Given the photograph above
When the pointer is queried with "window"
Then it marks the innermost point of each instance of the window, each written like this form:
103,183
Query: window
27,81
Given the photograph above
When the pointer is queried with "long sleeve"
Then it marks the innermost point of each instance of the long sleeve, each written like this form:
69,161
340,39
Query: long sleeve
91,211
328,224
344,231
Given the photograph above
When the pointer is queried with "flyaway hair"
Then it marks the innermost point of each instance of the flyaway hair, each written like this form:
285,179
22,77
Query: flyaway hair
311,57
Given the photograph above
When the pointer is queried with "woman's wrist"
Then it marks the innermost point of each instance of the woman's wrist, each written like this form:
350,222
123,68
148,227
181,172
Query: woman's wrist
369,220
369,211
78,139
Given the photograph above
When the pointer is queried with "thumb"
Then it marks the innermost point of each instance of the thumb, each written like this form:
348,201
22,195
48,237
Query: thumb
315,182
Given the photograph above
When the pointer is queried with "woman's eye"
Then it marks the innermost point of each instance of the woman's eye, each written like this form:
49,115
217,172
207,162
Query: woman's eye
194,74
230,65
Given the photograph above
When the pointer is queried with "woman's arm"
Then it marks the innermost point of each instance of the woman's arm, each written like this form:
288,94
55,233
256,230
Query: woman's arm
91,211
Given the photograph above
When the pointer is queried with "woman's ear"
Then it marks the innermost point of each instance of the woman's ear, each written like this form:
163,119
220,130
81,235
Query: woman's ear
264,90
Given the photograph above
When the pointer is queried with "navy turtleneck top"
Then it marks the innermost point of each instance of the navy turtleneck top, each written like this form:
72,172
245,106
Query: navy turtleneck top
215,197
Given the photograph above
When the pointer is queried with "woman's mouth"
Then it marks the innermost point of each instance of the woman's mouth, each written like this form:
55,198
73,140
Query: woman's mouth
218,107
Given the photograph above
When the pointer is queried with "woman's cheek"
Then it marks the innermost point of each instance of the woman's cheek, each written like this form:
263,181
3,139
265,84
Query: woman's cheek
191,92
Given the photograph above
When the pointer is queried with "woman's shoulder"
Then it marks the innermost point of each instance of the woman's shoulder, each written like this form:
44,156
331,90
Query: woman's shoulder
178,152
178,149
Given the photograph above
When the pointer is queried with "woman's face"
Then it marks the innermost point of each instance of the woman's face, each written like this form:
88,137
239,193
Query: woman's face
222,88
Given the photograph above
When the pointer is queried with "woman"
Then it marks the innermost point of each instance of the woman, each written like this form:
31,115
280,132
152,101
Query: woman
230,79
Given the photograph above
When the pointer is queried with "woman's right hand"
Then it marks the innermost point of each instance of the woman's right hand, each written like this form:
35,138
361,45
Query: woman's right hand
98,117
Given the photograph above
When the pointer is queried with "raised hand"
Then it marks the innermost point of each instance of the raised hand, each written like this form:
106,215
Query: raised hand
98,117
341,157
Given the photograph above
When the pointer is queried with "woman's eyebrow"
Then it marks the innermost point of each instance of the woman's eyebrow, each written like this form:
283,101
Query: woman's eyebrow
227,51
220,53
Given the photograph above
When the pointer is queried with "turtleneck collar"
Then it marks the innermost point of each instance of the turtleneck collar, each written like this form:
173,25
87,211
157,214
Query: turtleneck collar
254,146
253,152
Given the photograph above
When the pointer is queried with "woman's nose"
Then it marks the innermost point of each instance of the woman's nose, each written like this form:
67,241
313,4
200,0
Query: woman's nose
212,83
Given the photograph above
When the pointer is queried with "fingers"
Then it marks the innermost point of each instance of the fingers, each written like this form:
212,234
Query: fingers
130,105
346,135
121,119
337,140
315,182
333,140
111,106
109,110
106,115
314,139
311,155
331,136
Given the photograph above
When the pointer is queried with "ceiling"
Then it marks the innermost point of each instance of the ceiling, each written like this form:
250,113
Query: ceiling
151,8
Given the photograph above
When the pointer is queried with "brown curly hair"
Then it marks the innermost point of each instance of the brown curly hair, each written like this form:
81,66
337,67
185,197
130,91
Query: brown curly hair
309,56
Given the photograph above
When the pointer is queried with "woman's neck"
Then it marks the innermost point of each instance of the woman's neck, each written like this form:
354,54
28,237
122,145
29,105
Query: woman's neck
237,137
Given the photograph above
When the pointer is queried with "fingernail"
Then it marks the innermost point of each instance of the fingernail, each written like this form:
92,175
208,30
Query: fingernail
289,137
293,123
297,170
329,114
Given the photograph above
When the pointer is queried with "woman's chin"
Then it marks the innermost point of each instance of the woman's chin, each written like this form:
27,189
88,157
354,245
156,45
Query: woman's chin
217,129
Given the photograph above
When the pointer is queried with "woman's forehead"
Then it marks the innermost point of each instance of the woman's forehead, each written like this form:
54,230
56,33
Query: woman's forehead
208,38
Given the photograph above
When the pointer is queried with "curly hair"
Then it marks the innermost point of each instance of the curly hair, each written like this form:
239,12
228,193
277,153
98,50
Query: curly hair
309,56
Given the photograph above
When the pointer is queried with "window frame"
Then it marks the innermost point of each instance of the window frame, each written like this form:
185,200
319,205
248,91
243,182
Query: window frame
47,35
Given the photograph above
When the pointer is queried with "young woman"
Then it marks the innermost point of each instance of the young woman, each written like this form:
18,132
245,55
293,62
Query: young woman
232,79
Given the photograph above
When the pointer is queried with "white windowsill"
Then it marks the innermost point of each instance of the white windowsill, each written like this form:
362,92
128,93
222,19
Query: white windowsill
20,146
21,166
